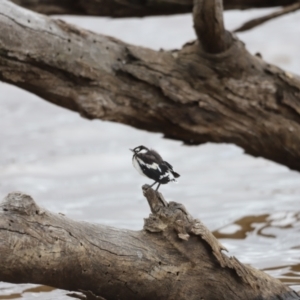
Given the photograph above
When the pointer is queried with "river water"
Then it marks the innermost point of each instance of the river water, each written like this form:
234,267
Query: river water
83,168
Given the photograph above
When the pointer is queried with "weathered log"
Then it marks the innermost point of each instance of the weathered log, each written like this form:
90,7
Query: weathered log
134,8
174,257
189,95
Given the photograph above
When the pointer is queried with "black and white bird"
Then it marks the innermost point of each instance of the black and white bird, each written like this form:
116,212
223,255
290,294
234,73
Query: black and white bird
150,164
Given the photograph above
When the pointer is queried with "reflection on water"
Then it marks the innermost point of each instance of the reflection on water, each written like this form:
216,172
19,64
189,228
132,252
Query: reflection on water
83,169
261,225
241,227
28,291
278,232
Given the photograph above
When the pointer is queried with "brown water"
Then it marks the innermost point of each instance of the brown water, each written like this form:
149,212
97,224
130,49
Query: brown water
83,168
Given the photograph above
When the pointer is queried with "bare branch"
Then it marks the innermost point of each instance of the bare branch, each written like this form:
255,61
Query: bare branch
209,25
130,8
258,21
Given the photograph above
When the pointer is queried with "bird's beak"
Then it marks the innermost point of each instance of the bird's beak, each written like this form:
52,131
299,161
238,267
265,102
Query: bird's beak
131,150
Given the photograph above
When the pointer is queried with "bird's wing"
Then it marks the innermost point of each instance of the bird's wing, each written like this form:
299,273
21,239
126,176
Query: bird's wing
152,169
155,155
168,165
175,174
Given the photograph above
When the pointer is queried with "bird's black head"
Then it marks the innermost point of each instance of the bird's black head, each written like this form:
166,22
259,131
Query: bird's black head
140,149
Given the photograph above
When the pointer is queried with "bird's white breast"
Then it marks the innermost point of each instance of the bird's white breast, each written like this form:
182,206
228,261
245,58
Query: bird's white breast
137,166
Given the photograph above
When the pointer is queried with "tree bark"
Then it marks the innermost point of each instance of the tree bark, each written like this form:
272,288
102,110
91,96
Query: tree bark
173,257
188,95
209,26
134,8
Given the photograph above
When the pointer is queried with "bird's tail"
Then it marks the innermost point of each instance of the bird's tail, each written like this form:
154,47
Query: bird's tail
176,175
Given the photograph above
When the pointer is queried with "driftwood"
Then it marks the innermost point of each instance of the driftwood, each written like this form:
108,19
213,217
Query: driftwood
174,257
192,94
134,8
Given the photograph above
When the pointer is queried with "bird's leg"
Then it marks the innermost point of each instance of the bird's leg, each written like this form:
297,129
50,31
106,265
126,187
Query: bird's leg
153,184
158,187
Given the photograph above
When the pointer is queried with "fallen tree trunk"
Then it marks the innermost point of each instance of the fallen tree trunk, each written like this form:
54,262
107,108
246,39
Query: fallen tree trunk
173,257
212,90
133,8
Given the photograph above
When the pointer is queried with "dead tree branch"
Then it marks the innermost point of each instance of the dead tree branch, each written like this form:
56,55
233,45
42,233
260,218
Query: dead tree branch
209,26
130,8
258,21
188,95
174,257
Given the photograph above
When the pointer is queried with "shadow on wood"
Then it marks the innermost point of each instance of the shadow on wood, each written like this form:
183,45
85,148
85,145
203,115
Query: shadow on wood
174,257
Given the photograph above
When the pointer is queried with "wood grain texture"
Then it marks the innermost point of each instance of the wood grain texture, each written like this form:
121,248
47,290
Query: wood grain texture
187,94
134,8
174,257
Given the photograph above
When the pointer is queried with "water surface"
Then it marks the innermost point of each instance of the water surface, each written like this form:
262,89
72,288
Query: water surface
83,168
